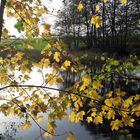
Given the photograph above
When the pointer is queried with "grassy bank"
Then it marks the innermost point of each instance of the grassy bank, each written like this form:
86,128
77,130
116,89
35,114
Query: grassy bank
23,44
94,55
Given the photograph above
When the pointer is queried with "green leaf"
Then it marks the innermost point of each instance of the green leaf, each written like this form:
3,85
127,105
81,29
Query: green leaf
19,26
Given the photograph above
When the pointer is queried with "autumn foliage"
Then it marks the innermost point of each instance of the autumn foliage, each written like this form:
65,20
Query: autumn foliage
117,107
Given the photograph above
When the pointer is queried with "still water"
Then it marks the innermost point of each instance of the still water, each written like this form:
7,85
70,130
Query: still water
9,125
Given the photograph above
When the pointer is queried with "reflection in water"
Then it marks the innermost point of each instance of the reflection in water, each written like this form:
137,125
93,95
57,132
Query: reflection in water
103,132
83,131
10,132
33,133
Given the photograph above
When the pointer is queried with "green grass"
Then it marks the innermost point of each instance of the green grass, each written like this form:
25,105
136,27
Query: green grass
22,44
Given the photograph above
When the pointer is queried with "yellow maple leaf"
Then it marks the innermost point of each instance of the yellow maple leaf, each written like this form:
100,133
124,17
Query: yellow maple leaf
76,105
46,49
79,116
128,102
11,111
97,7
58,45
89,119
95,20
19,55
116,101
86,79
82,87
49,53
105,1
97,85
105,108
136,110
74,69
72,116
109,94
45,134
80,6
111,114
26,125
57,56
73,97
30,46
46,63
59,80
115,125
40,119
51,125
66,64
48,46
109,102
98,120
93,94
71,136
128,121
124,2
94,110
137,97
118,92
1,60
26,99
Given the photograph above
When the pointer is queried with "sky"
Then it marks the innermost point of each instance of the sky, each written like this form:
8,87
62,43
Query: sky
52,5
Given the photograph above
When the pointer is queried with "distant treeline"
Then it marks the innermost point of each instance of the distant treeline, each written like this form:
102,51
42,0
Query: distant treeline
120,24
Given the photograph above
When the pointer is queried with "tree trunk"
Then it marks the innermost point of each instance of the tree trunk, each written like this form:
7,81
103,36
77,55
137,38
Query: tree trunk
103,25
113,30
2,6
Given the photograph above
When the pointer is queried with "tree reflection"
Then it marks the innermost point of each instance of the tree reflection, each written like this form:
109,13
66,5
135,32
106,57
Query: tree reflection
10,132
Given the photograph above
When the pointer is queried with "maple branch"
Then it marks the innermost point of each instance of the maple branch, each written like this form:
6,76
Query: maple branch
43,128
66,92
22,107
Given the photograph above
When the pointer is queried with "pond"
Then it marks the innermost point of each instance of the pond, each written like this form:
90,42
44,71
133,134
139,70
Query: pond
9,129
